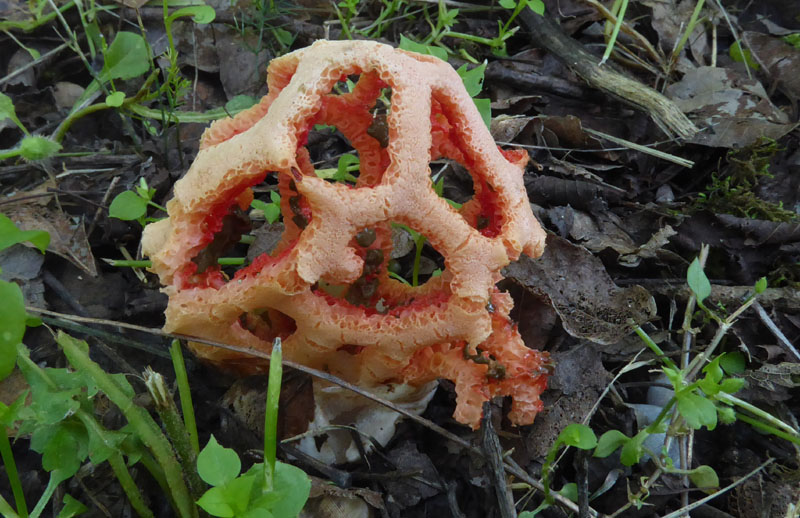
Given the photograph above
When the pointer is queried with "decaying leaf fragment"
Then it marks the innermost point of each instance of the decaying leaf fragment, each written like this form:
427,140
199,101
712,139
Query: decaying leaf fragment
590,305
733,111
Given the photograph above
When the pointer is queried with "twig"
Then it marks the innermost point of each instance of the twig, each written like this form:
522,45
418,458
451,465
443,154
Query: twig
102,206
664,112
509,464
642,149
33,63
493,453
762,314
702,501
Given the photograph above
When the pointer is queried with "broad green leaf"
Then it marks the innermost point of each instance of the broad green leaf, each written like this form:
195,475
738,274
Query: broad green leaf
103,443
283,36
569,491
115,99
72,507
472,78
674,376
632,450
705,477
708,386
733,362
67,448
38,148
291,486
508,4
218,465
578,435
12,325
7,111
10,414
272,211
793,39
731,385
430,50
697,410
485,109
239,491
742,55
256,512
128,206
215,502
201,14
11,235
609,442
537,6
713,370
239,103
697,280
125,58
761,285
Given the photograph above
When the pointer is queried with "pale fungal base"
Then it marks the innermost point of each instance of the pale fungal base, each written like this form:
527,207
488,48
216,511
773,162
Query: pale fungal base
336,406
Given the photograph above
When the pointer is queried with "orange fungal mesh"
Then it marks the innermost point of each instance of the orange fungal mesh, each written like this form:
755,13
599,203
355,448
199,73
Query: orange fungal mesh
338,237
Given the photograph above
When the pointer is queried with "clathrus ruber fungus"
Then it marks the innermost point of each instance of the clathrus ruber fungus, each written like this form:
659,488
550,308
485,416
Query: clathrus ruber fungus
375,330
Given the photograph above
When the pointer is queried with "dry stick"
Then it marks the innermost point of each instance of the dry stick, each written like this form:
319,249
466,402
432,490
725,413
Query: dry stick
725,489
509,464
33,63
664,112
493,453
767,321
102,206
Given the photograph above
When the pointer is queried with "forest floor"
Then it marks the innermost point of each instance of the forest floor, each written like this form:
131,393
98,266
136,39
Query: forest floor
667,179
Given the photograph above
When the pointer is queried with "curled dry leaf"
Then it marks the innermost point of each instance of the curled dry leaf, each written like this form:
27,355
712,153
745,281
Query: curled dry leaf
590,305
67,239
779,59
733,110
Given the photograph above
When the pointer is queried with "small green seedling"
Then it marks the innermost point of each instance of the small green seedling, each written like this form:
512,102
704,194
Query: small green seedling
132,205
347,164
578,435
31,147
271,210
267,489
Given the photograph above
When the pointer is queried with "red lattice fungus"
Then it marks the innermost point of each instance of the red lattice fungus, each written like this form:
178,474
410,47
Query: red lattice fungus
377,329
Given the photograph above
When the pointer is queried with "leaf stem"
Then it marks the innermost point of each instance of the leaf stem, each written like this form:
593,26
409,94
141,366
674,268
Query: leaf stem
271,414
140,421
13,475
185,394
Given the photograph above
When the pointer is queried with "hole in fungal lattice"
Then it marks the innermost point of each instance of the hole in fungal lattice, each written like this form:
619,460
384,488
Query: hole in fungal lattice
413,260
464,184
346,140
267,324
397,259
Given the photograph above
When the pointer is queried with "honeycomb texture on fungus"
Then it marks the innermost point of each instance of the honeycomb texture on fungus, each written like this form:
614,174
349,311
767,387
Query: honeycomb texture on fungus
454,326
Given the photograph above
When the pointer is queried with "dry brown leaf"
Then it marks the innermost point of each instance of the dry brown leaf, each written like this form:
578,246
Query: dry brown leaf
781,61
66,238
733,110
590,305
